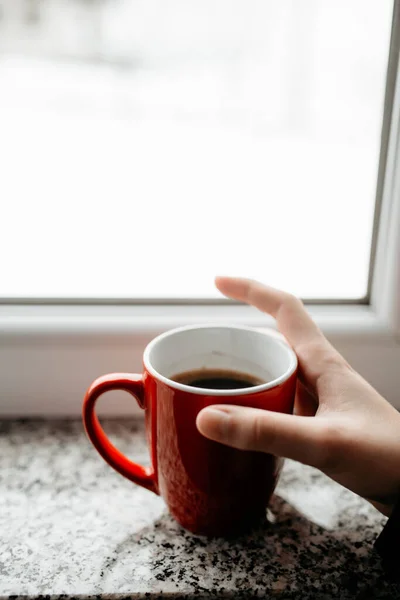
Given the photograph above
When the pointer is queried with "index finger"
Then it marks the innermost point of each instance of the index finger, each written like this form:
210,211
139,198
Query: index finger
292,318
303,334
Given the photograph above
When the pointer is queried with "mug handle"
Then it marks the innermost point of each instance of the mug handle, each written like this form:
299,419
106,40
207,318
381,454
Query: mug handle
133,384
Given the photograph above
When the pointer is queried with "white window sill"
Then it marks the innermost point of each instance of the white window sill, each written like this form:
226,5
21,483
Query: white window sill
87,320
82,322
50,354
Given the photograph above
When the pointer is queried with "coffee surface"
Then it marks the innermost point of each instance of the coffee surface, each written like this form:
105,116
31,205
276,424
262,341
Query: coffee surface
217,379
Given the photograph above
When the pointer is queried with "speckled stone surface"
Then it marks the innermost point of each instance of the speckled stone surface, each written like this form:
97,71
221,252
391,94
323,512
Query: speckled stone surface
71,526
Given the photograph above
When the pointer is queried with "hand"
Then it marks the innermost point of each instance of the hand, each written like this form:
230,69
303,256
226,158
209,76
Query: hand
341,424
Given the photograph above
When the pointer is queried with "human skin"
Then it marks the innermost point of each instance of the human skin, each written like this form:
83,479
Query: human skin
341,425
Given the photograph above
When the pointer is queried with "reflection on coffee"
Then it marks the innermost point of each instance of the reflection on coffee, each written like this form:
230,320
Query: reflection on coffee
217,379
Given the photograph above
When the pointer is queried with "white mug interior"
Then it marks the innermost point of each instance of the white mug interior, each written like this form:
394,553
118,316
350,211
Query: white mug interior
260,354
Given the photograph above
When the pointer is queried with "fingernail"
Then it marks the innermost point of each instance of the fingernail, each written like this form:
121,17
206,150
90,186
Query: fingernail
212,421
222,411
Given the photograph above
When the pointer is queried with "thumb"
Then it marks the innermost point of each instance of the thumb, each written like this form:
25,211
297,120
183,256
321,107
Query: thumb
289,436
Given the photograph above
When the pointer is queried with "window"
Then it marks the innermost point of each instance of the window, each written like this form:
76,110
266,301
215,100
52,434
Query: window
147,145
169,140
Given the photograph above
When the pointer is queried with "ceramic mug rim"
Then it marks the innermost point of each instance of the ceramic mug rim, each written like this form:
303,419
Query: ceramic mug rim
292,360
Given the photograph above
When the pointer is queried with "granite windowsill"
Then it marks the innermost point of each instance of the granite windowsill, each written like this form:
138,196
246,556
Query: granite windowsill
70,526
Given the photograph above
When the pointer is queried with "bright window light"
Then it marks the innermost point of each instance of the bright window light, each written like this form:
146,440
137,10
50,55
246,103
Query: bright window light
147,145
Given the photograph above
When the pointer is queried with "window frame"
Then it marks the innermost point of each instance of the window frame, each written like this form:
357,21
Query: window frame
50,352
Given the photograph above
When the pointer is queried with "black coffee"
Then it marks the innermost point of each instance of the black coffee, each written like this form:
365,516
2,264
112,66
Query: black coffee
217,379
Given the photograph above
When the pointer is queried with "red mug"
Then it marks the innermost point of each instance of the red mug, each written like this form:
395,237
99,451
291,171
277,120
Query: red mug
209,488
